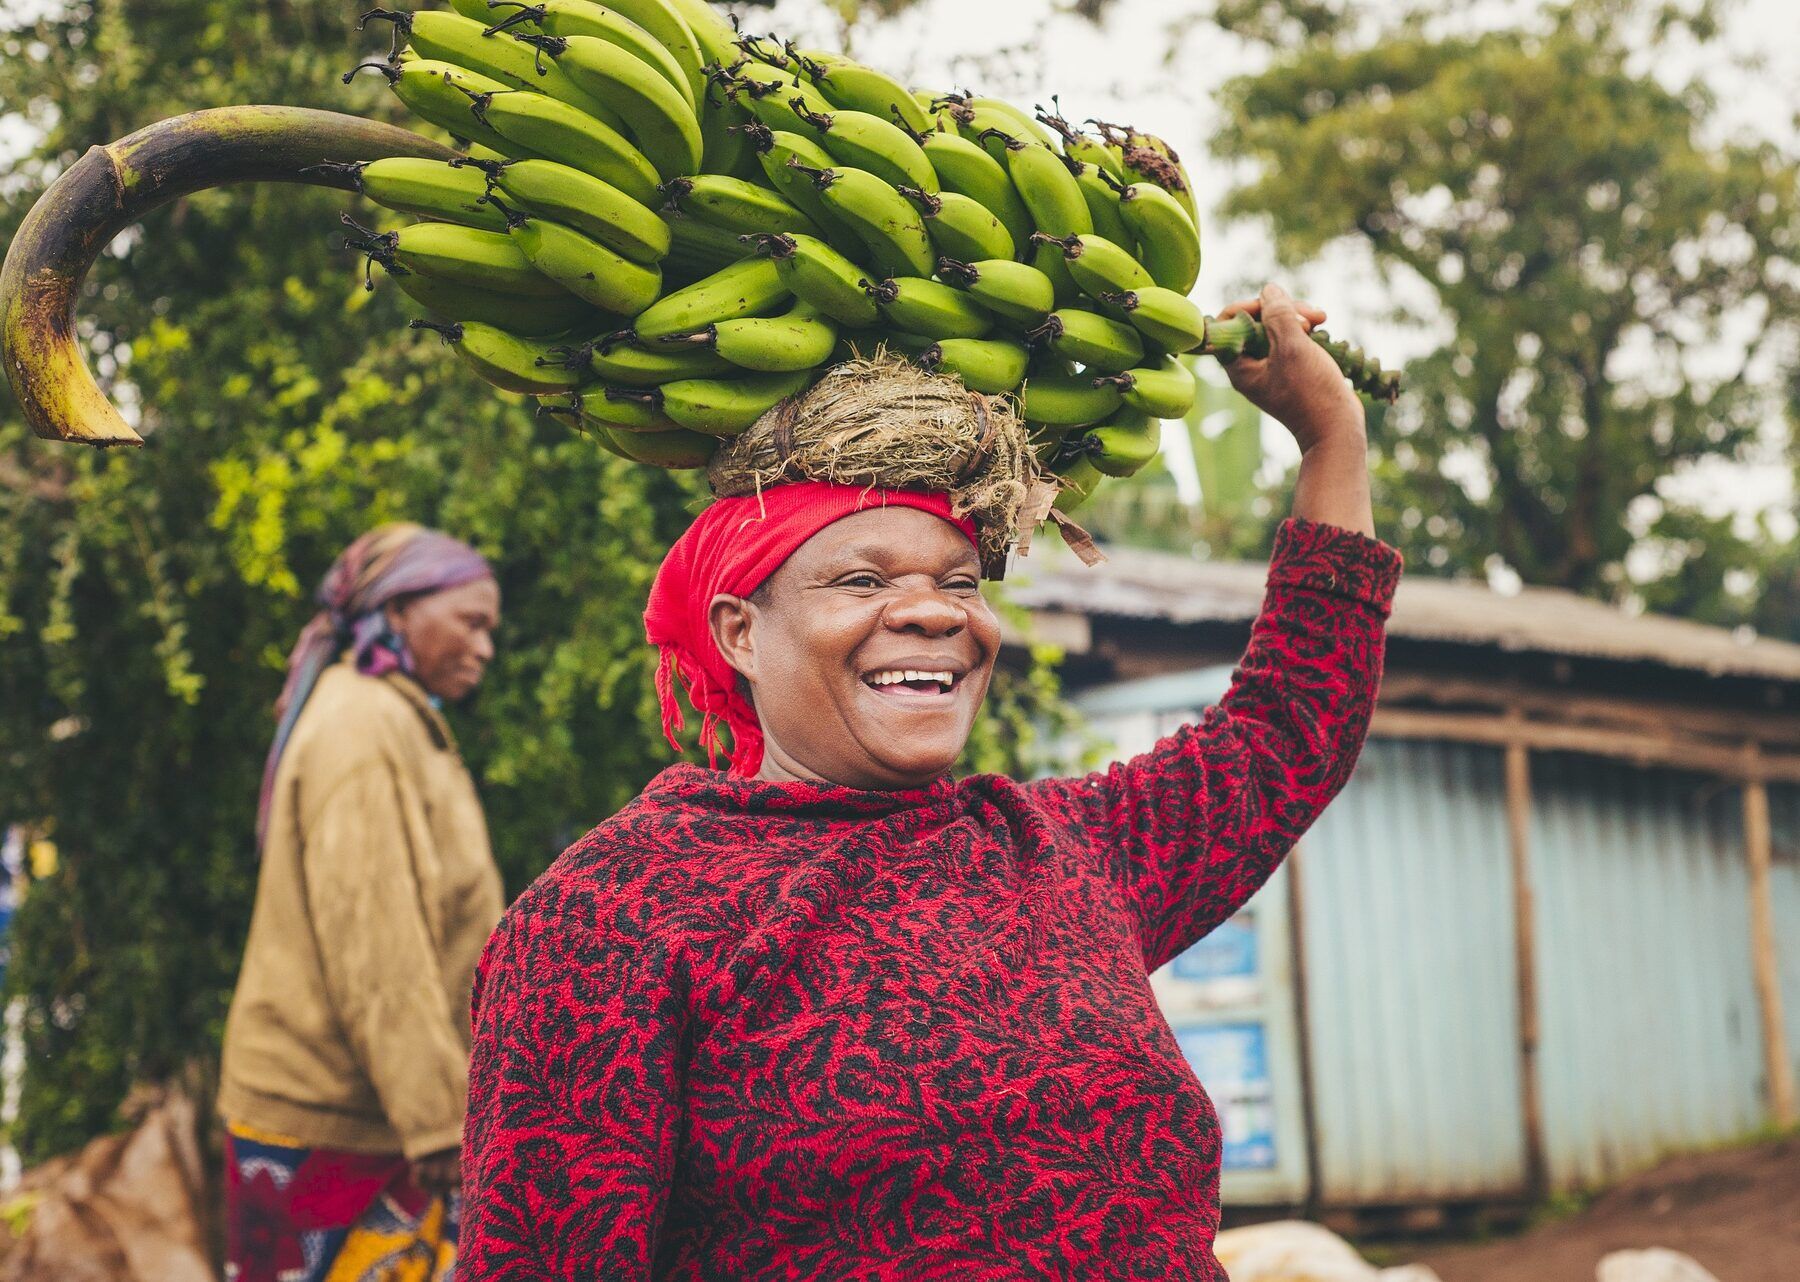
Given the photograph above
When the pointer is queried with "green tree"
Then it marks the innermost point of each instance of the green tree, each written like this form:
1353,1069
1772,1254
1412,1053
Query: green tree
1588,244
147,598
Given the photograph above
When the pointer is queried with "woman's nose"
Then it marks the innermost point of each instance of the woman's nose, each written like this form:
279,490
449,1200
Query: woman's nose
926,610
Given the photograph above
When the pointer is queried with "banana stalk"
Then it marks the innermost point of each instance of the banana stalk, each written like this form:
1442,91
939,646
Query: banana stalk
1244,335
115,185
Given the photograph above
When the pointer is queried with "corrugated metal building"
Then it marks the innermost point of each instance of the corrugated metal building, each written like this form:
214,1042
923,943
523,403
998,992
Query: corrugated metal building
1551,929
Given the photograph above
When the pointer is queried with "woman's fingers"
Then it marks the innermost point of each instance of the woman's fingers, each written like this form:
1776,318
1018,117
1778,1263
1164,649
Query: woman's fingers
1311,316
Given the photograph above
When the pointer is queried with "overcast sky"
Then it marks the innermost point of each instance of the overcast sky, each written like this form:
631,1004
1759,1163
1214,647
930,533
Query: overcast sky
1147,66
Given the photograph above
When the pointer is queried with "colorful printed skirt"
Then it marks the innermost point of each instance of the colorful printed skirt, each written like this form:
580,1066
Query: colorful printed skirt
299,1214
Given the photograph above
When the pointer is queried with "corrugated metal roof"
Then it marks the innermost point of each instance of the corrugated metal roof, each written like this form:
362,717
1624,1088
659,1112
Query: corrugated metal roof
1159,585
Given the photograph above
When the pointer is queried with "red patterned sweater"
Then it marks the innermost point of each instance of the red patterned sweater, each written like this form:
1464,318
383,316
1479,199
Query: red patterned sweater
749,1030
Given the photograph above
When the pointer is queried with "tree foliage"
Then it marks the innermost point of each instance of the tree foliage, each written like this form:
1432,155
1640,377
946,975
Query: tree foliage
1595,252
147,598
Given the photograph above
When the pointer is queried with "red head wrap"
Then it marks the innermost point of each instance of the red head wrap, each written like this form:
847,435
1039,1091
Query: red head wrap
732,548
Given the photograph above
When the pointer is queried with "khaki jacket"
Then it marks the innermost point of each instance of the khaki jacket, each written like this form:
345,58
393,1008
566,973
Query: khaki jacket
350,1025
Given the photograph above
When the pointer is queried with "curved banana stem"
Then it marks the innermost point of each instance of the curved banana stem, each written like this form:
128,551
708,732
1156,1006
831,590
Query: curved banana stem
1243,335
113,186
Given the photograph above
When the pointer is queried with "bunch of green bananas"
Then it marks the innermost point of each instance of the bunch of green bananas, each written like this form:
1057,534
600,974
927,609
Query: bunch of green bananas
662,228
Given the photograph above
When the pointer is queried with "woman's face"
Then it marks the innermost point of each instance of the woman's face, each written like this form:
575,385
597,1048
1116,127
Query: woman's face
868,652
450,634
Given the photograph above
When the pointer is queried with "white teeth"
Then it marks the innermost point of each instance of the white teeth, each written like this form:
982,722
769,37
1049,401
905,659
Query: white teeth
896,675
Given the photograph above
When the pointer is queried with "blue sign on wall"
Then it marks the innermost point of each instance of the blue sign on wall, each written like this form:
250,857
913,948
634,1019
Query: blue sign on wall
1228,953
1232,1062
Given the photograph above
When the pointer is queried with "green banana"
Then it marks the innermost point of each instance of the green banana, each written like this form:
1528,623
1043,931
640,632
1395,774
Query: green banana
476,10
463,255
773,149
1082,147
629,364
1048,258
723,149
797,340
505,360
659,119
988,365
751,287
464,42
725,406
586,268
698,249
936,106
1047,186
1019,118
964,168
679,450
1168,242
1097,342
1098,265
550,128
673,31
1165,389
930,309
584,18
1147,158
770,94
1167,319
1102,195
960,227
1079,478
858,140
1014,292
628,408
1067,400
734,205
822,278
1123,444
712,33
445,190
586,203
615,408
852,86
883,220
441,92
518,314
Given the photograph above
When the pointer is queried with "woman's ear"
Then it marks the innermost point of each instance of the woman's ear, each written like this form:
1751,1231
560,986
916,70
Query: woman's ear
731,619
395,613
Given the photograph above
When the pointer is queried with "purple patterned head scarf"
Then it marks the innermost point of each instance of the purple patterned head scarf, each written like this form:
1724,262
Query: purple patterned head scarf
390,561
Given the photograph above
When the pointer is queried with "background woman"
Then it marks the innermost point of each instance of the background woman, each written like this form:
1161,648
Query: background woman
345,1061
834,1015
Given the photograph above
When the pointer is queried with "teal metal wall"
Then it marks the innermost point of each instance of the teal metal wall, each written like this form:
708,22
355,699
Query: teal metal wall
1649,1034
1647,1002
1410,995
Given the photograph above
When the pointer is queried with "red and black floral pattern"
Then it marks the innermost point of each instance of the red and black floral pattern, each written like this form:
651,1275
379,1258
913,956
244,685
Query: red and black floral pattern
783,1030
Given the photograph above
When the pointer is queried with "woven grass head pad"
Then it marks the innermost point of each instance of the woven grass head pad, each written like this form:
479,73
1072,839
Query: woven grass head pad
884,423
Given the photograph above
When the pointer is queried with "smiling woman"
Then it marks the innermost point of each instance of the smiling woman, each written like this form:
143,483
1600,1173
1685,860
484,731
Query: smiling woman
833,1014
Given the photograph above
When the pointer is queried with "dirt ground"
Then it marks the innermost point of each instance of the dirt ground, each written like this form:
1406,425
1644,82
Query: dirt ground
1737,1212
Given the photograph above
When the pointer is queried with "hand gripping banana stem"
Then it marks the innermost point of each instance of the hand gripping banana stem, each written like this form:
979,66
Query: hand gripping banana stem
1244,335
112,187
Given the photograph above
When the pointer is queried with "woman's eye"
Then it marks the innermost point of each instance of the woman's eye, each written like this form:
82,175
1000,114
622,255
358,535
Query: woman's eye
861,581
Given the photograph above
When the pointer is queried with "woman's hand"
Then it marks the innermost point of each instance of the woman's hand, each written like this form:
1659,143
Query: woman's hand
1297,383
1301,387
440,1173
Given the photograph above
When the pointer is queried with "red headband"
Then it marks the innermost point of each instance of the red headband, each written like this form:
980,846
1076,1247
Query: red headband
732,548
